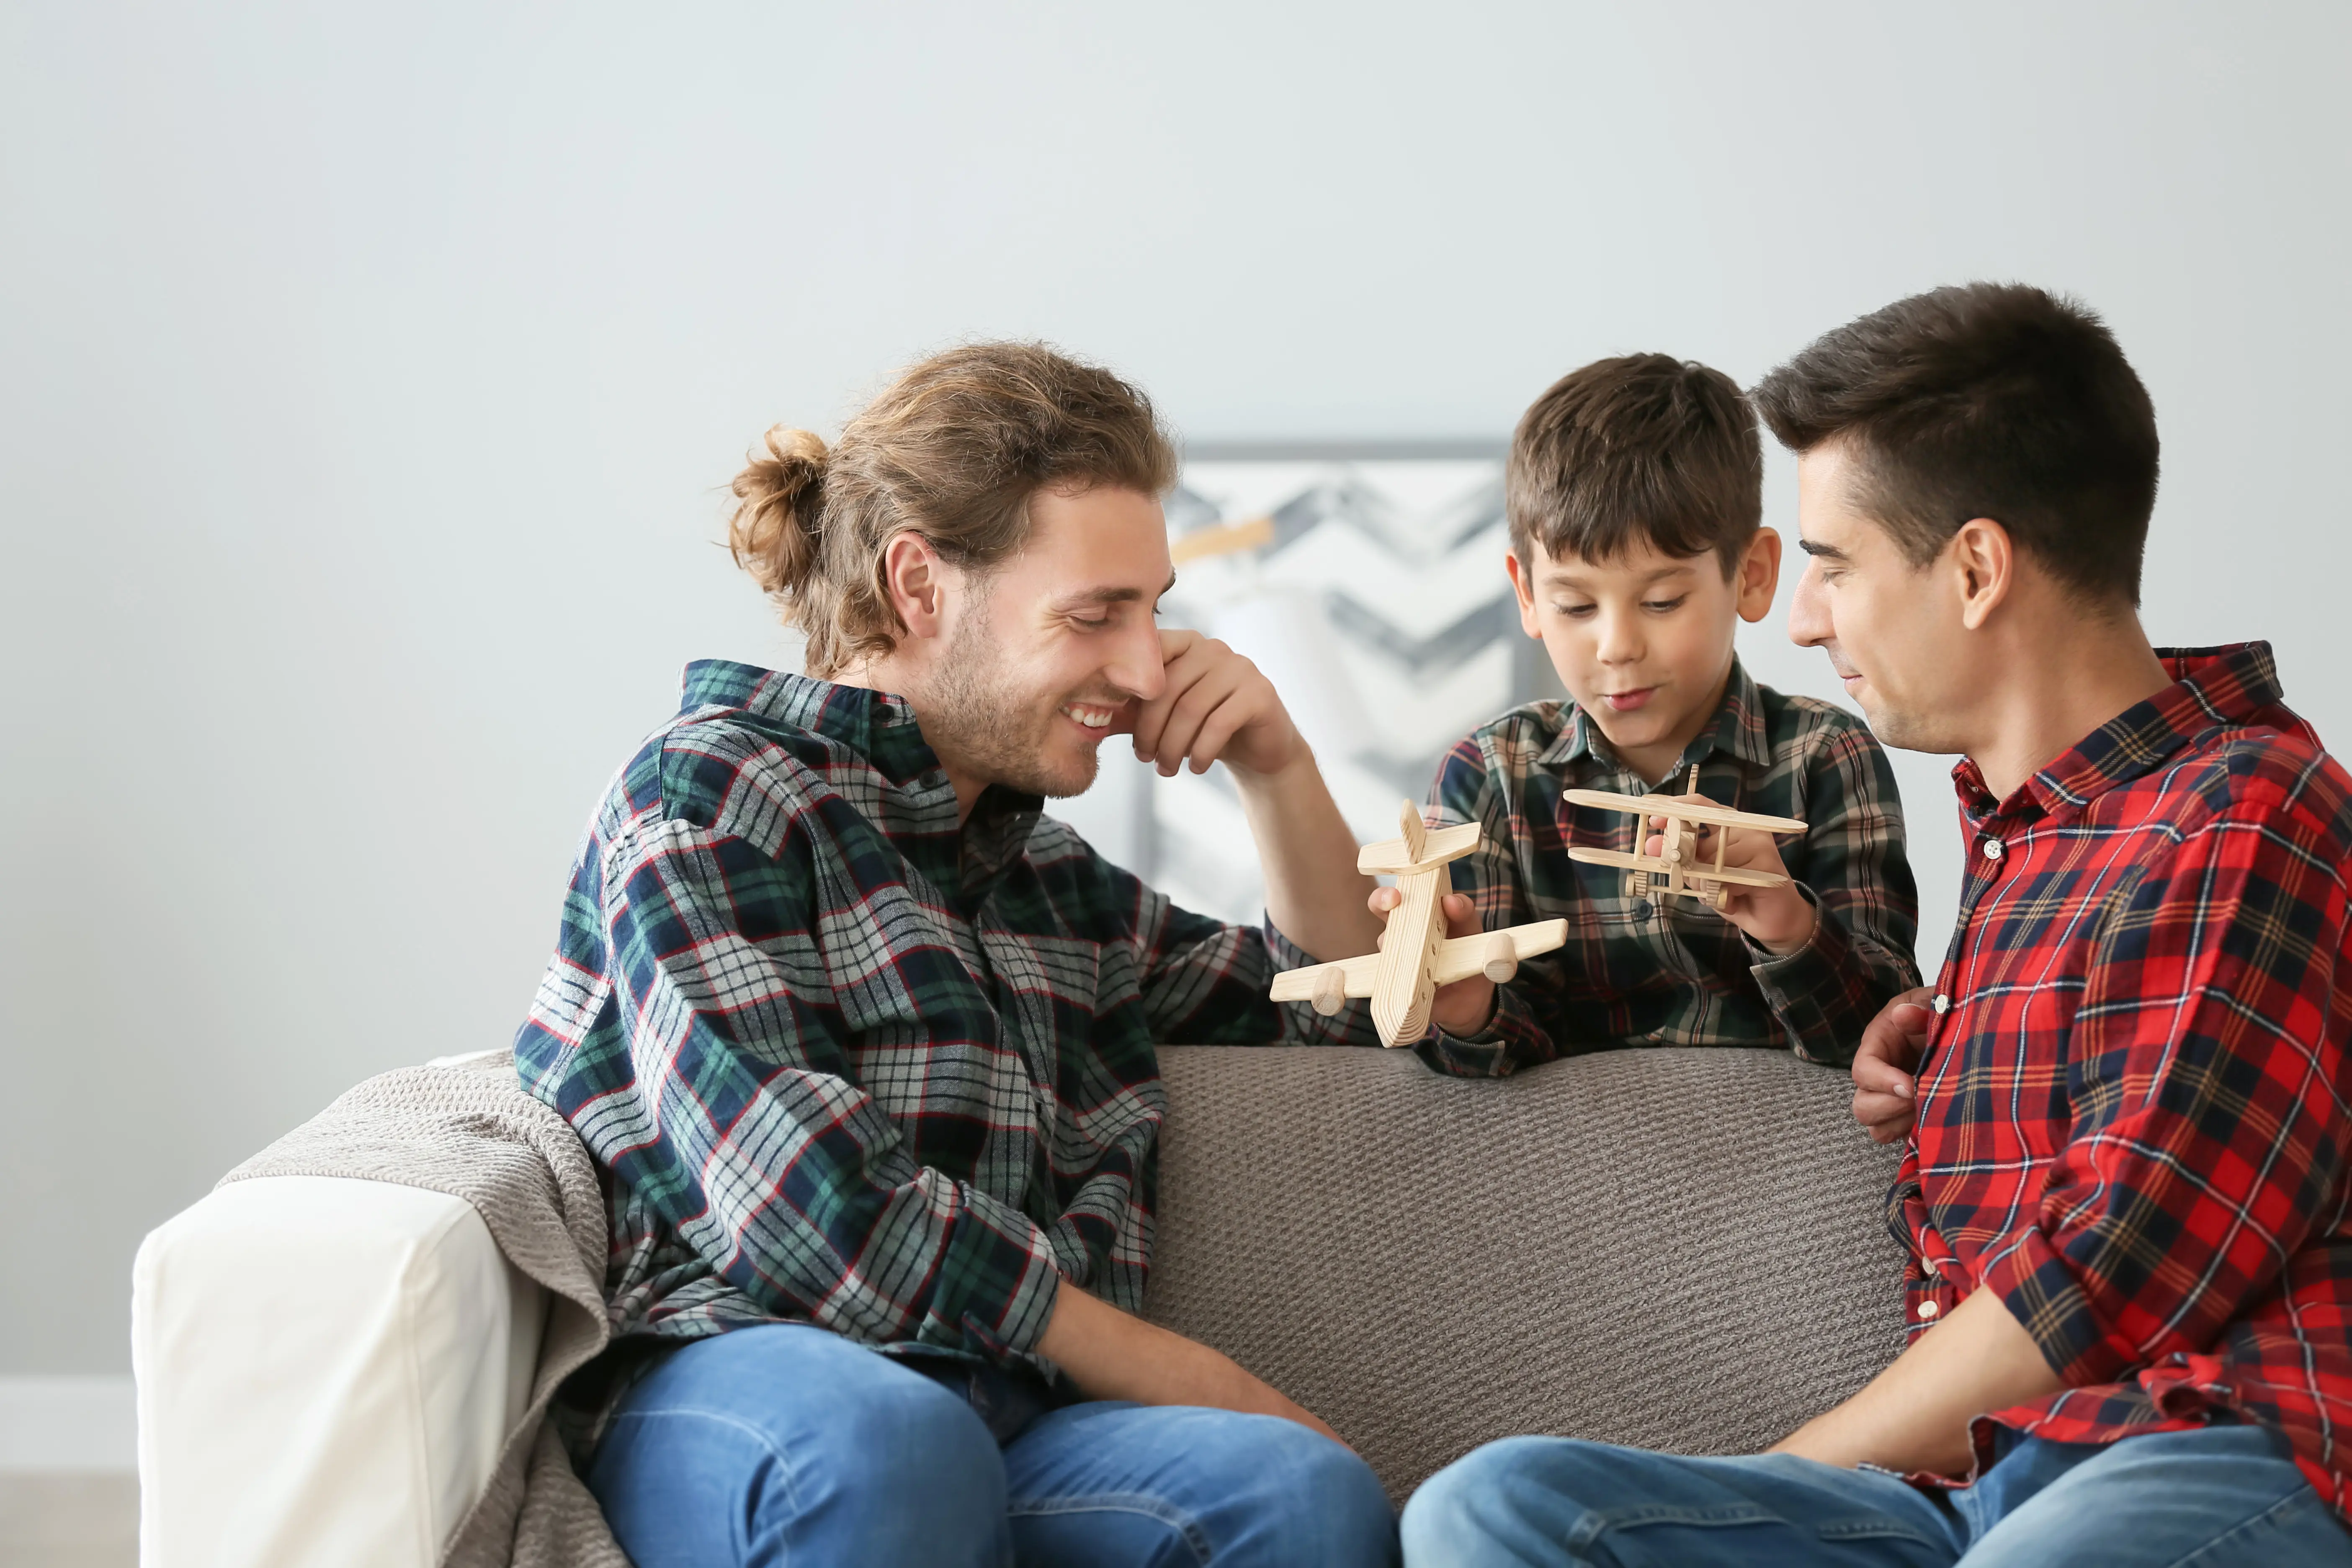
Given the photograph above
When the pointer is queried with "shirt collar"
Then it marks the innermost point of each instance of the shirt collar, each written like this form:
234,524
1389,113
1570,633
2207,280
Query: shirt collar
2212,688
919,809
1737,727
878,725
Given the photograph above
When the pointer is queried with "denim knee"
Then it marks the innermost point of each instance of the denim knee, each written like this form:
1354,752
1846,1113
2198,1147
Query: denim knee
1466,1510
853,1460
910,1474
1320,1505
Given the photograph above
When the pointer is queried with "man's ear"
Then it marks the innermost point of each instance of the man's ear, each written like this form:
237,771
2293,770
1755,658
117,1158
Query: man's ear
1523,585
1758,576
915,580
1983,562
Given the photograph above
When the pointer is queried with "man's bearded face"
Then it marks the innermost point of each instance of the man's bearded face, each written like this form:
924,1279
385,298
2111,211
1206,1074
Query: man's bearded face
1009,725
1056,649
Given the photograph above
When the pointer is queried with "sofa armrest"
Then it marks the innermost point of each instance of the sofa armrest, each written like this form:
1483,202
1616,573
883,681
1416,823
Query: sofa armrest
326,1371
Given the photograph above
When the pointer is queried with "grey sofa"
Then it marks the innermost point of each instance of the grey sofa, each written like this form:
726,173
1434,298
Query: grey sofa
1674,1248
1679,1248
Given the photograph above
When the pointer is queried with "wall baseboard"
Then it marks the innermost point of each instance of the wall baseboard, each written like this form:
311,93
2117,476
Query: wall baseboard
67,1424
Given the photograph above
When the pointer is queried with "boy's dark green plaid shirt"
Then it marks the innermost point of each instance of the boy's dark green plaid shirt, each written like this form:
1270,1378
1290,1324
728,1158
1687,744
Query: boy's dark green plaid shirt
1639,972
843,1060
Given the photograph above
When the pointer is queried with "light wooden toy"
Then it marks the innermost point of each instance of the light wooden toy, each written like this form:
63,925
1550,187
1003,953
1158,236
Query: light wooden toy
1676,867
1415,955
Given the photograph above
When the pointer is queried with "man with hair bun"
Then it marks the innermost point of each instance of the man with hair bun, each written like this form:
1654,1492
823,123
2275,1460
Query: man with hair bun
863,1043
2126,1193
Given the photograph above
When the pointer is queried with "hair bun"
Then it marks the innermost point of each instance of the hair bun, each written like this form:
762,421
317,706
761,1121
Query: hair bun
780,511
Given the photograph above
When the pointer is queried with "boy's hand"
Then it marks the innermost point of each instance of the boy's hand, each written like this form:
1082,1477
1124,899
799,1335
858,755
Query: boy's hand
1466,1006
1884,1092
1777,919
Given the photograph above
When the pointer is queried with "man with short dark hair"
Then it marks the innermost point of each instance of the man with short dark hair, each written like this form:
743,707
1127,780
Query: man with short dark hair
2124,1198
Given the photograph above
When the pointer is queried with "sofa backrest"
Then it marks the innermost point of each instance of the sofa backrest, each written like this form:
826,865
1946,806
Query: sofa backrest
1679,1248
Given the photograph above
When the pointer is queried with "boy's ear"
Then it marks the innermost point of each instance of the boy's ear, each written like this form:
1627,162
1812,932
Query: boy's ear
1523,586
1758,577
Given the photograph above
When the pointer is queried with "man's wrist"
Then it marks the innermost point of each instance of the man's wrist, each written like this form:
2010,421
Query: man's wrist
1110,1354
1300,766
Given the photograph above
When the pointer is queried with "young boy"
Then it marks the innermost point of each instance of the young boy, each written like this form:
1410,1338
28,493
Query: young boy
1634,493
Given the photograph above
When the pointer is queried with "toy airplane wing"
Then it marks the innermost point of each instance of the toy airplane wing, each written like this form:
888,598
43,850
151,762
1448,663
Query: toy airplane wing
1614,858
1730,874
1681,808
1437,846
1332,982
1497,952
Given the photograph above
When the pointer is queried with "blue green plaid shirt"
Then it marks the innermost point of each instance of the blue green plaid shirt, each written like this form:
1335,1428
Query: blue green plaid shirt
1640,972
845,1062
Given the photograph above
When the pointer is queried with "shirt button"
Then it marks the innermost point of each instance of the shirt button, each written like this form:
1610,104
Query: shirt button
1942,1004
1640,909
1928,1310
1994,848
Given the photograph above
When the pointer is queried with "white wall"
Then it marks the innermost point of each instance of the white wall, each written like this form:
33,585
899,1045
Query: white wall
366,376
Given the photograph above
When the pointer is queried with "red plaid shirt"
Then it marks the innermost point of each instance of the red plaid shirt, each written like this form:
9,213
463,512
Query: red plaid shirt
2132,1116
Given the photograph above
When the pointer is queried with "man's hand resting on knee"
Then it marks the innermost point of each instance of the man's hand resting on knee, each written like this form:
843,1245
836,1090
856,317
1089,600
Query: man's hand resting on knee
1110,1355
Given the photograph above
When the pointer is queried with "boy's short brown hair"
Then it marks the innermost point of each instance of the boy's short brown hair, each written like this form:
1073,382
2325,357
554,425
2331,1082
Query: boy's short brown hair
1643,449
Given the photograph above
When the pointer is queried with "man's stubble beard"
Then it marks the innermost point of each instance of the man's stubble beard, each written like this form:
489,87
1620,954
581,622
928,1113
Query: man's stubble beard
990,727
1905,729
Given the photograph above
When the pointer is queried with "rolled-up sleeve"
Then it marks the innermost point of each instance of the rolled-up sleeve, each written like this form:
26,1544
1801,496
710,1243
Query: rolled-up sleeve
1853,871
2205,1076
1206,982
742,1123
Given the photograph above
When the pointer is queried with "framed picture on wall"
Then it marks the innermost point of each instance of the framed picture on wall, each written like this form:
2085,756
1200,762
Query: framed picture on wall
1367,581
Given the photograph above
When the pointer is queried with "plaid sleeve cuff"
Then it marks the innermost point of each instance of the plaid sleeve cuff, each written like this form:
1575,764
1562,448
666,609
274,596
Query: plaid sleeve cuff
1288,954
1301,1023
1487,1053
997,1282
1815,991
2034,1282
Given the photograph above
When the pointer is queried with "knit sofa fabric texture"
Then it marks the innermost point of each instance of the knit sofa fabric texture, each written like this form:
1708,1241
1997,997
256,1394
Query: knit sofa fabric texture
1680,1248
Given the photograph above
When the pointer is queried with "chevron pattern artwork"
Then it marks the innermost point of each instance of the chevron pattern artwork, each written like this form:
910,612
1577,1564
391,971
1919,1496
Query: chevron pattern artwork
1368,583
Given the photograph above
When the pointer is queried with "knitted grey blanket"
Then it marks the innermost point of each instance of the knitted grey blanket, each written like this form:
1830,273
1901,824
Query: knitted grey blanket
468,1130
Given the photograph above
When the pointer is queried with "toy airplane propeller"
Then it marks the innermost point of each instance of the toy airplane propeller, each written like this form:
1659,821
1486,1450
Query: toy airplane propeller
1416,956
1678,869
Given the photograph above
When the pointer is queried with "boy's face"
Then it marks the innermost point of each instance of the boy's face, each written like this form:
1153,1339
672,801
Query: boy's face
1642,642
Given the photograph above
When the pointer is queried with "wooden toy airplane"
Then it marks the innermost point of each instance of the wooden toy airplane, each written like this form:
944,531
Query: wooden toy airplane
1416,956
1676,868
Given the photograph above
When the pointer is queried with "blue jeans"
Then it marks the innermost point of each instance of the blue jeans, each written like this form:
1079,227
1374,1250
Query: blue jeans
787,1445
2215,1498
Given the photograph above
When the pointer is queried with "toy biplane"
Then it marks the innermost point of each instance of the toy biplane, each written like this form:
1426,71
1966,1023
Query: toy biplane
1677,868
1416,956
